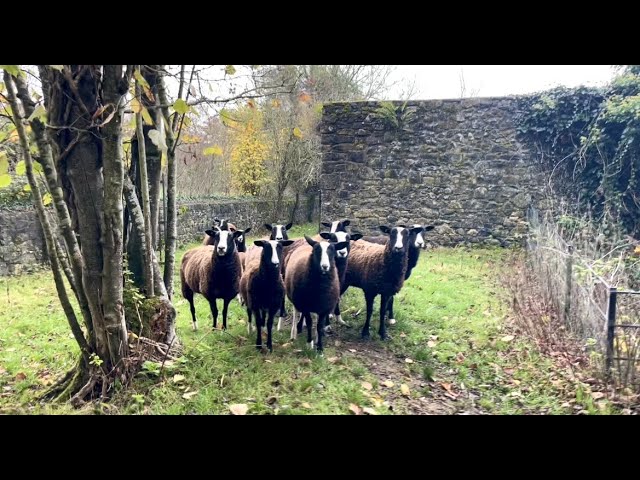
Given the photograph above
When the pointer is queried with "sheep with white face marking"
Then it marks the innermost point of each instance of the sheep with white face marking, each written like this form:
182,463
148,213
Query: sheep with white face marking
224,225
342,260
214,272
416,244
312,285
337,226
278,231
262,288
379,270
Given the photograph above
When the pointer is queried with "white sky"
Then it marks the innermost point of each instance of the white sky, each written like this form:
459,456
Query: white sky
443,81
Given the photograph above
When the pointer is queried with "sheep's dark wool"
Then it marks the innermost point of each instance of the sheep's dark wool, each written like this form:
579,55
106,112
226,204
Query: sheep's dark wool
214,272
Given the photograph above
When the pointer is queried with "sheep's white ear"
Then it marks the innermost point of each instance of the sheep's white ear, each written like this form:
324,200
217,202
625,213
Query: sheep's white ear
310,241
325,235
211,233
288,226
385,229
286,243
258,243
356,236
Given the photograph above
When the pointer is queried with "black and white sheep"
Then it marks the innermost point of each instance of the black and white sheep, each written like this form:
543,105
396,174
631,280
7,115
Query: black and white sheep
214,272
312,285
262,288
379,270
416,244
337,226
278,231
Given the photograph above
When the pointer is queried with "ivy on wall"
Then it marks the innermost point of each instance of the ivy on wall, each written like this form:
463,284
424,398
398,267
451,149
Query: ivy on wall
589,139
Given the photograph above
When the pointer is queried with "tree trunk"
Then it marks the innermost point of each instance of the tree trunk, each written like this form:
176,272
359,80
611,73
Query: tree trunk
74,99
146,209
44,221
51,175
172,213
113,172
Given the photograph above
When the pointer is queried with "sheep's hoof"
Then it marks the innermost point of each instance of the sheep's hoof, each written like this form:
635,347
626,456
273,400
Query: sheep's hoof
279,324
320,353
385,337
342,322
194,326
392,321
310,345
365,335
328,330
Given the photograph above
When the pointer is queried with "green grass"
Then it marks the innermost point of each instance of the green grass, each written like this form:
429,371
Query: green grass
451,328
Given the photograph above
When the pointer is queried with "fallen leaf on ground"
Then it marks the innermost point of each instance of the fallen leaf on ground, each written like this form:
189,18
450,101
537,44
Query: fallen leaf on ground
447,387
239,408
367,386
507,338
597,395
431,343
404,388
306,405
352,350
187,396
332,359
355,409
408,360
20,376
178,378
369,411
388,383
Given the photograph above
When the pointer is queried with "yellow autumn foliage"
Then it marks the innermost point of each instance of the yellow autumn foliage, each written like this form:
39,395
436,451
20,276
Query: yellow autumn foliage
248,154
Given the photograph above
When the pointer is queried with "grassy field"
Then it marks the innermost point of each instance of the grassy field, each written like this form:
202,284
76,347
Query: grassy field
451,351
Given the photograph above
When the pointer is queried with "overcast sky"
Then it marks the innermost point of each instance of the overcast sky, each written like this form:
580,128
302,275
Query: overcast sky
443,81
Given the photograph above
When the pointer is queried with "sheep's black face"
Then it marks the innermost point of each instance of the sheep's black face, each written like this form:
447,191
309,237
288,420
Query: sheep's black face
278,232
241,240
324,254
416,238
272,251
223,241
341,236
398,238
337,226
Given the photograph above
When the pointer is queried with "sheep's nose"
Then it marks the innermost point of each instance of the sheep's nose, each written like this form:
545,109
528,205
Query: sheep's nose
397,250
276,264
325,268
279,238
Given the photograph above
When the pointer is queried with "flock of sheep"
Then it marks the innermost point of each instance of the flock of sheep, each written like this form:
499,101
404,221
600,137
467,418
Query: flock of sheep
312,273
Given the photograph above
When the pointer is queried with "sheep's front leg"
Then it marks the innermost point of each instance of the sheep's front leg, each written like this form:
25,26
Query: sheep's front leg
225,309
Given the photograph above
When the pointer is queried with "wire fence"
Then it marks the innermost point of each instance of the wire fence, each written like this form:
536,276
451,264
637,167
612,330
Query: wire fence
594,308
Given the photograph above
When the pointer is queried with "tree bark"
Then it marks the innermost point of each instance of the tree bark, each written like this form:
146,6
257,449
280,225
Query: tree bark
172,213
74,99
44,221
62,212
112,220
144,190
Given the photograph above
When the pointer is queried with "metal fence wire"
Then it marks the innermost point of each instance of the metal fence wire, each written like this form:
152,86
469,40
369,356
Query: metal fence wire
605,316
